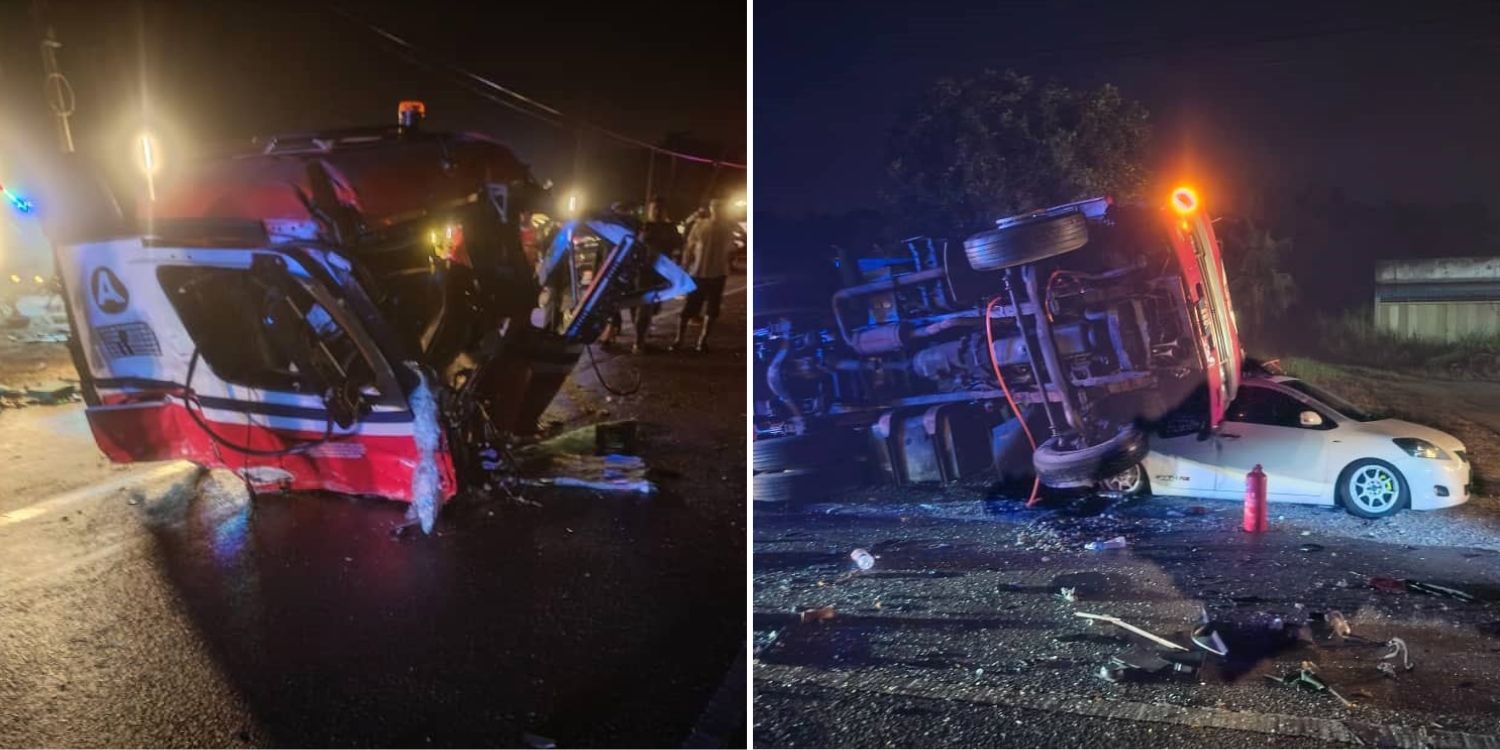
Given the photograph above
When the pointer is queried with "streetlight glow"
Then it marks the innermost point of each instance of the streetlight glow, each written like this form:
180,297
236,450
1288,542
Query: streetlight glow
150,153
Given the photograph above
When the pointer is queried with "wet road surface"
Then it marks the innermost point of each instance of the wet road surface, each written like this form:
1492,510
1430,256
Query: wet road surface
163,615
959,635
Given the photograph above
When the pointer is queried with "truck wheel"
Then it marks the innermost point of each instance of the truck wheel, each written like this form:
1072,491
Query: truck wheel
1371,488
1027,242
1064,469
804,485
802,451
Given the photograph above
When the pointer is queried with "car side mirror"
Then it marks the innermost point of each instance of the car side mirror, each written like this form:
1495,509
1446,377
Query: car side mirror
1310,418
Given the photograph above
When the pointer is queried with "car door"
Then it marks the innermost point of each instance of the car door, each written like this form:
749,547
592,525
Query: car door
1183,453
1262,427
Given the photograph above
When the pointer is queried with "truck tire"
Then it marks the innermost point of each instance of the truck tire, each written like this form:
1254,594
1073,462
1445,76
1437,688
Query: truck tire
802,451
804,485
1027,242
1061,468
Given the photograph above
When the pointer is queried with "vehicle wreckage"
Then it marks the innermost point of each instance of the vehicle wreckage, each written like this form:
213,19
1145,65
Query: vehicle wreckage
373,311
1089,321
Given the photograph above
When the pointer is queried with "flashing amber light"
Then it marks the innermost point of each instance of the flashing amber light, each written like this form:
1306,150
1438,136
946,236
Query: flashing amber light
1184,200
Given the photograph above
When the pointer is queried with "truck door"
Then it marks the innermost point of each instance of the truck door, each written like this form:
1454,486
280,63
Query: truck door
249,359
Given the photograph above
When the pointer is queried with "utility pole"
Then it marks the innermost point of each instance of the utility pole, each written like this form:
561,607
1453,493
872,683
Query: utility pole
58,91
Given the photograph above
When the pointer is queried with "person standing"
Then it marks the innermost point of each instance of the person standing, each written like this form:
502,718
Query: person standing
660,237
710,243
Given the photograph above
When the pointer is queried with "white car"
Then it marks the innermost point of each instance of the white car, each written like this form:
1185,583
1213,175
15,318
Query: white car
1314,447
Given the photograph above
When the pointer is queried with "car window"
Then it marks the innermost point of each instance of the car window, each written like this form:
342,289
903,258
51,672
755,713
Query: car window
1265,406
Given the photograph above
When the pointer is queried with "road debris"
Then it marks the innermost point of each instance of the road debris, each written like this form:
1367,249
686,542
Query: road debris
1310,547
613,473
1117,622
863,559
1209,641
1398,648
1307,677
538,741
1068,594
1139,663
817,614
1338,624
1116,543
617,437
52,392
1388,585
1436,590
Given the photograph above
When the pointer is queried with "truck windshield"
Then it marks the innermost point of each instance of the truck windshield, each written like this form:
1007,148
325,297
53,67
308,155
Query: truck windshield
1339,405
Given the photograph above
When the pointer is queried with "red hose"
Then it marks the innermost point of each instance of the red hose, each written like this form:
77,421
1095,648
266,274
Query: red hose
989,337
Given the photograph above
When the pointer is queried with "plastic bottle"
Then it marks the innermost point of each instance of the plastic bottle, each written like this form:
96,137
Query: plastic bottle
863,559
1116,543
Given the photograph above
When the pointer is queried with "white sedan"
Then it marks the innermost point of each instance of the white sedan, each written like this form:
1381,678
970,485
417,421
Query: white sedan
1314,447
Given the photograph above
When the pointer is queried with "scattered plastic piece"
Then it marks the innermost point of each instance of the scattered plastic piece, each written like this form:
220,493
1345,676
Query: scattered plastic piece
1117,622
817,614
1338,624
1068,594
1116,543
1210,641
863,559
1398,648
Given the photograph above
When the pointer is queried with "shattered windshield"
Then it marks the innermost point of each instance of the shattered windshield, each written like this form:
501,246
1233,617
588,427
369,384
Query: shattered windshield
1339,404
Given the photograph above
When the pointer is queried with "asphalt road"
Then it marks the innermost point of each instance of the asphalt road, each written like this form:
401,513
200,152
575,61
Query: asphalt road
137,610
959,636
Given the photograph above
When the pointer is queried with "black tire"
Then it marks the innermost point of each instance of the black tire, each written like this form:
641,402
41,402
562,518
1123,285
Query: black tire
1072,469
1027,242
802,451
804,485
1362,509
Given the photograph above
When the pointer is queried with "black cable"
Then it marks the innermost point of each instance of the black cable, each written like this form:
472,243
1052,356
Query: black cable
551,115
190,397
600,376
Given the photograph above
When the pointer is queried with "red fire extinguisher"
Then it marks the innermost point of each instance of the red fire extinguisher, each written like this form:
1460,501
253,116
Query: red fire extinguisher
1255,500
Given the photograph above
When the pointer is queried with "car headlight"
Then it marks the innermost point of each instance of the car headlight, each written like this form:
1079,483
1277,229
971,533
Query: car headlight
1421,448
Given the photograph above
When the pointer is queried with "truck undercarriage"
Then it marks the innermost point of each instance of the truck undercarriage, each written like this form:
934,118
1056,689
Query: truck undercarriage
1088,321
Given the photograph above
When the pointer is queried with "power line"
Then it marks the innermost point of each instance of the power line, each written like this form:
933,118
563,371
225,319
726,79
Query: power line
414,54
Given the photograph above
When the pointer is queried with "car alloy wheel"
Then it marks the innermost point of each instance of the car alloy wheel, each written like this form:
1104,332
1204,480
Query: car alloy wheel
1373,489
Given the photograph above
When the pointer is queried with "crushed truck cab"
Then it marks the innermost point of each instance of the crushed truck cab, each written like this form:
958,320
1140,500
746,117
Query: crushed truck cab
375,311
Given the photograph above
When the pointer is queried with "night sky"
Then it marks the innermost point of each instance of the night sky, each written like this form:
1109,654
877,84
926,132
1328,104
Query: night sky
221,71
1398,103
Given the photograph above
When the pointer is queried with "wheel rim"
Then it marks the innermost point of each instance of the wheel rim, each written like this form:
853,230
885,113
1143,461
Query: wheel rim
1374,488
1125,481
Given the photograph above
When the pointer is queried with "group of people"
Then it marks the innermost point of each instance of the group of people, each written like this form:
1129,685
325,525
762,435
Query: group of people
705,251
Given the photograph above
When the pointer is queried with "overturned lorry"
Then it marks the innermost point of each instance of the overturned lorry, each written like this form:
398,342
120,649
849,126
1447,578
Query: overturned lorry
373,311
1047,348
